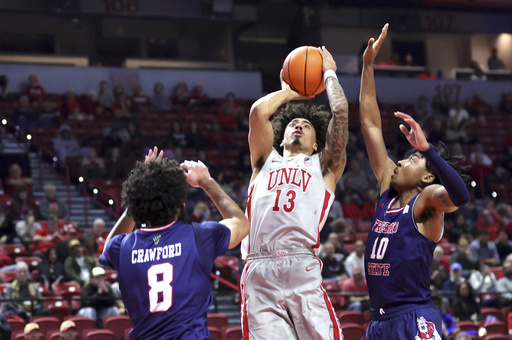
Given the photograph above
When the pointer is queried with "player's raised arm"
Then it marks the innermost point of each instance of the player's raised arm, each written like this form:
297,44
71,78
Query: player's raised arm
334,156
369,115
233,217
125,224
261,135
452,193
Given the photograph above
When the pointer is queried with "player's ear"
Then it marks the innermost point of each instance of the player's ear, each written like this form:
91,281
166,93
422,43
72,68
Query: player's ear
315,147
428,179
282,143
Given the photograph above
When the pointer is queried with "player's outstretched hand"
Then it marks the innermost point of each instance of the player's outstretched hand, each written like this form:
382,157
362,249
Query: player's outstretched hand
328,62
415,135
197,173
153,155
374,46
292,95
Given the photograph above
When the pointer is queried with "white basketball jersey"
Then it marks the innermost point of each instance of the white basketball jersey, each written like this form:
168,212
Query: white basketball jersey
288,203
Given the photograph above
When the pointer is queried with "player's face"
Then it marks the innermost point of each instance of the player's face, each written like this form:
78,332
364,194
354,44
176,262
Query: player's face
300,134
408,173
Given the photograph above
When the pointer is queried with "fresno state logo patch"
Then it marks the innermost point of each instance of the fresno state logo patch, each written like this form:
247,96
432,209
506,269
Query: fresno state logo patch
426,330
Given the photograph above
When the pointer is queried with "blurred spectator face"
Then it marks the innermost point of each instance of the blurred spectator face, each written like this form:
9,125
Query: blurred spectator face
98,227
359,248
52,255
24,102
329,249
464,290
77,251
15,171
50,191
22,273
438,254
502,237
507,269
32,79
333,238
70,334
93,96
357,272
92,154
53,225
463,245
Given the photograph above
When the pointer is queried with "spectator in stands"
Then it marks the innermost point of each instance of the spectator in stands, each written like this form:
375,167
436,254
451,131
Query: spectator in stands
449,327
194,137
136,146
92,106
356,284
51,204
27,227
159,101
198,97
351,204
333,268
487,220
459,226
181,95
339,247
483,249
5,327
7,227
68,330
25,114
32,332
34,90
118,90
422,109
427,74
25,297
105,96
394,60
122,107
49,115
231,114
92,166
450,285
200,213
357,256
116,134
46,237
440,268
78,267
62,248
466,307
140,101
176,137
504,285
464,256
409,59
506,102
71,108
458,120
22,201
359,177
494,62
216,137
90,245
478,73
115,166
478,155
99,233
16,180
441,106
65,144
50,269
438,133
484,283
98,298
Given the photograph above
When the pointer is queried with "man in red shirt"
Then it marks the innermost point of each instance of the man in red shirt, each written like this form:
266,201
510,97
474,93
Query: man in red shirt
98,230
356,285
34,90
46,237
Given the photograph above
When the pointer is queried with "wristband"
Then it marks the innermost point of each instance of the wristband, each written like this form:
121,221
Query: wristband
329,73
448,177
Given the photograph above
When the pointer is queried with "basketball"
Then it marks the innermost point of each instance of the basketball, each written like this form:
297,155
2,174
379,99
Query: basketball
302,70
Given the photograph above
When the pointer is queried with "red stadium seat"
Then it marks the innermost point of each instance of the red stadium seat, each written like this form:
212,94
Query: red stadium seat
31,261
232,333
217,320
14,250
497,327
117,324
16,325
98,334
8,275
66,289
467,326
53,335
492,311
215,333
497,337
46,323
111,275
353,331
350,317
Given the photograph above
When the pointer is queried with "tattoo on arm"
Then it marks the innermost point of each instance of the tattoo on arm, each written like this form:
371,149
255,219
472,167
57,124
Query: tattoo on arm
445,201
337,133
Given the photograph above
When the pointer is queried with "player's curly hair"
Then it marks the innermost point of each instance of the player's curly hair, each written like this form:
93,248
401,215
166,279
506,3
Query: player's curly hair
453,161
316,115
154,192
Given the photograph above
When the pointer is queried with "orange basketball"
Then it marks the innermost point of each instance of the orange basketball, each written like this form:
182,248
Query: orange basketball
302,70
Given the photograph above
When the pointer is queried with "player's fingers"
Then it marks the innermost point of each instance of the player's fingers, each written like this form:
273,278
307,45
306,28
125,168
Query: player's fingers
160,155
404,130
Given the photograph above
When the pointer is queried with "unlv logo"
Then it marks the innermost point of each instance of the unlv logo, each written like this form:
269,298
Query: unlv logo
426,330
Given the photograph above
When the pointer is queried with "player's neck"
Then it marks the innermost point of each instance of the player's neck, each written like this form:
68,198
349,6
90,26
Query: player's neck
294,152
405,197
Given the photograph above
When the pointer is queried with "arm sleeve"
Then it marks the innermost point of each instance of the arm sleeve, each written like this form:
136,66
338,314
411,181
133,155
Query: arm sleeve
212,240
111,253
449,178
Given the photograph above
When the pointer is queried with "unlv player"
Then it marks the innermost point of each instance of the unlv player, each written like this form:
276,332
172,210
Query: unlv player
297,159
408,221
